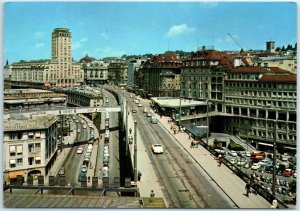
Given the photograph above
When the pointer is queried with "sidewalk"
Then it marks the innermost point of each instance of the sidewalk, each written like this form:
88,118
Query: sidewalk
230,183
149,181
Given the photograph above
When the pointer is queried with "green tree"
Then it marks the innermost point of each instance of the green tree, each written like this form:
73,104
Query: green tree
283,48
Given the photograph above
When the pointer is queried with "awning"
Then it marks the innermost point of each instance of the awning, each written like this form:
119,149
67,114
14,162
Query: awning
12,161
12,149
37,158
293,148
30,133
261,143
13,175
20,149
37,135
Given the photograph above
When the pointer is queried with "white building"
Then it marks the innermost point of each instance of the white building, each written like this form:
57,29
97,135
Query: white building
29,146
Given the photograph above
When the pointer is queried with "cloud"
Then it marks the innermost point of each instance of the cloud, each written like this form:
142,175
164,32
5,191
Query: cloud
39,34
40,45
79,44
179,29
104,35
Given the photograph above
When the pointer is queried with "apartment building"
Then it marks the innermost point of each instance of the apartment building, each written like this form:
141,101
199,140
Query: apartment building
117,72
161,75
243,100
95,72
61,70
29,146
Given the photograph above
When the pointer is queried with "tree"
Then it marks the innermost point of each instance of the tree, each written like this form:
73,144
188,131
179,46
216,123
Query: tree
283,48
292,185
295,48
277,49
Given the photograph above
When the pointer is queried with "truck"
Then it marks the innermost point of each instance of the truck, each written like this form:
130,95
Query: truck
257,156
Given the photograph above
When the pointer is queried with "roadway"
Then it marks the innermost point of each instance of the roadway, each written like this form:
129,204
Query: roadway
184,185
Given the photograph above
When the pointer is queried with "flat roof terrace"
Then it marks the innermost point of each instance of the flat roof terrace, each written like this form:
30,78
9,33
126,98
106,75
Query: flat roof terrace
34,123
170,102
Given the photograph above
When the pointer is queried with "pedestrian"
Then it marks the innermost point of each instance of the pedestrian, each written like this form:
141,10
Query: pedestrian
274,204
139,176
247,187
130,130
190,135
152,194
221,160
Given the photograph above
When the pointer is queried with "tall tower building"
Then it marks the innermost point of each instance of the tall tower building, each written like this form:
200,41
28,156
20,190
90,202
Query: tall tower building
67,73
61,45
270,46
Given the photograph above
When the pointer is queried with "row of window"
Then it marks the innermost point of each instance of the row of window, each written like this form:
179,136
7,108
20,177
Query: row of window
13,163
261,93
15,150
262,85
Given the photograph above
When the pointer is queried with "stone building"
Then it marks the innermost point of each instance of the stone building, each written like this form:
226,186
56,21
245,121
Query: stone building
161,75
29,146
61,70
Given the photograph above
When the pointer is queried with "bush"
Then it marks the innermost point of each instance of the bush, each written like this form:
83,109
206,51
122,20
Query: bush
234,146
217,144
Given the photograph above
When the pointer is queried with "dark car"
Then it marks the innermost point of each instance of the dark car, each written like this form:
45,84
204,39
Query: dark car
82,175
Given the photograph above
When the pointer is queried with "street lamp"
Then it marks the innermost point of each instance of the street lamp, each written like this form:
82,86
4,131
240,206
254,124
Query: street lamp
194,127
207,118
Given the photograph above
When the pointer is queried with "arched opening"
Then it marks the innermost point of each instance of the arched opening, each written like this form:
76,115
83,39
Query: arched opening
34,173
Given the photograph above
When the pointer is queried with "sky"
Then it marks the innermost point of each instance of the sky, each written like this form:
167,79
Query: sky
104,29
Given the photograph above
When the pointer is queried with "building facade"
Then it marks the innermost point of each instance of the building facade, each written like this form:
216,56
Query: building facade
95,72
243,100
29,146
61,70
32,99
117,72
161,76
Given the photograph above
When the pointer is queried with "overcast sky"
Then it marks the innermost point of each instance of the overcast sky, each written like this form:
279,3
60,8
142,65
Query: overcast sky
102,29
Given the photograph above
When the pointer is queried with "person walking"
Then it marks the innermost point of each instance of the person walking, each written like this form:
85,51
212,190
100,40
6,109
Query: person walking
221,160
247,187
139,176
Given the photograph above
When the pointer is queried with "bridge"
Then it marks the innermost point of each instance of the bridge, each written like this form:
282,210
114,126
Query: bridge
64,111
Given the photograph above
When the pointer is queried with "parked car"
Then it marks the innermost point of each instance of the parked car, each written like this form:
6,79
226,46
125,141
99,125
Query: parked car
220,151
247,165
287,172
133,111
257,156
255,166
82,175
241,154
232,153
145,110
232,161
140,105
241,162
157,148
248,154
149,114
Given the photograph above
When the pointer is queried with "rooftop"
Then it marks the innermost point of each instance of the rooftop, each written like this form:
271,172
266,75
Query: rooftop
175,102
18,123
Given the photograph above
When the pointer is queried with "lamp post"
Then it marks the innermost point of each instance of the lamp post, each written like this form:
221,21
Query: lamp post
135,152
207,118
274,157
179,106
194,129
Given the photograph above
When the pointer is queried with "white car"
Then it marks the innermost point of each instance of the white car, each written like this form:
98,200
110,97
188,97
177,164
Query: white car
255,166
233,161
84,168
140,105
157,148
248,154
131,96
79,150
232,153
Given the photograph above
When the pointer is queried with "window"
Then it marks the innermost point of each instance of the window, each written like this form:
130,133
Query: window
30,147
12,150
30,160
12,163
19,150
37,147
37,160
20,162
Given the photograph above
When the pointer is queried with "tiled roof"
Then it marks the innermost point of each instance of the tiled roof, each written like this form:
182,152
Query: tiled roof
86,59
248,69
279,78
205,55
277,70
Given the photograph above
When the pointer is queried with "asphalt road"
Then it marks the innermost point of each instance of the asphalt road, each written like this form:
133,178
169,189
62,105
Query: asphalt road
183,183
